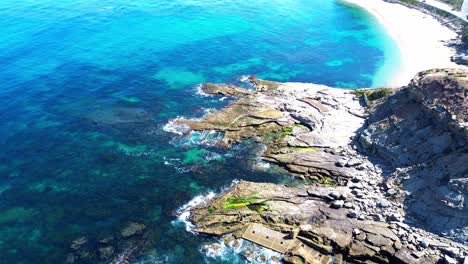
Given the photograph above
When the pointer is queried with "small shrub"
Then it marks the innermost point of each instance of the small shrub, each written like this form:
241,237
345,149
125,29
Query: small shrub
327,181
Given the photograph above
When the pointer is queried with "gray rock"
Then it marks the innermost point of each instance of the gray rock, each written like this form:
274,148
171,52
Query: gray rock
449,260
424,243
353,162
384,204
342,162
337,204
334,195
353,214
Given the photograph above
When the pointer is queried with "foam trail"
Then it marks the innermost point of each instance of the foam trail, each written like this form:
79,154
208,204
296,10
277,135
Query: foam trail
184,211
199,91
244,78
177,128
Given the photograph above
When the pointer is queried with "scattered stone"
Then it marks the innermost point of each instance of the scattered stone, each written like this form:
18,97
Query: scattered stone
334,195
337,204
353,214
353,162
424,243
395,217
384,204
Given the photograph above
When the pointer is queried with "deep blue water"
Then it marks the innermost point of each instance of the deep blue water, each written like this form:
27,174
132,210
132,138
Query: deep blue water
87,86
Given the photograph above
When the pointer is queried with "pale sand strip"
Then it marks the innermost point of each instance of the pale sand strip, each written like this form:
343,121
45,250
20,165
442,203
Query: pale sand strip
421,38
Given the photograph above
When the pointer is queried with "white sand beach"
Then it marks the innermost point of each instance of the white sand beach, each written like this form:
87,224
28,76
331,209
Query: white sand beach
420,37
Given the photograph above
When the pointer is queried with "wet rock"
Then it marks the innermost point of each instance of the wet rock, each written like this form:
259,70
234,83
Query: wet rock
213,250
228,240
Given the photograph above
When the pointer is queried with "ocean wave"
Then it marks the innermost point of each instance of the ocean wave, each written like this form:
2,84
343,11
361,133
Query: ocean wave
199,90
183,212
194,138
177,164
244,78
177,128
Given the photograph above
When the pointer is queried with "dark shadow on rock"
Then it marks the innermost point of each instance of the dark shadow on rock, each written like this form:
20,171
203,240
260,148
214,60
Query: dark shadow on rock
421,133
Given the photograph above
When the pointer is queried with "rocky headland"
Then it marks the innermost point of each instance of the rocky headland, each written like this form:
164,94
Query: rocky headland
386,169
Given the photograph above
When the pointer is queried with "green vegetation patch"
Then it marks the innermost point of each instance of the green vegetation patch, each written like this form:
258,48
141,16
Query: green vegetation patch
457,75
303,148
327,181
373,95
273,136
251,202
410,2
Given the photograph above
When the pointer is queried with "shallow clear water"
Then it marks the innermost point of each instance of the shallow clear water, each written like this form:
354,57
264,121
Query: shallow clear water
87,87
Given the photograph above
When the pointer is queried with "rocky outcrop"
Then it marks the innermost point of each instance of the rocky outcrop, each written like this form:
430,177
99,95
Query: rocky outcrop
325,222
422,130
388,188
303,125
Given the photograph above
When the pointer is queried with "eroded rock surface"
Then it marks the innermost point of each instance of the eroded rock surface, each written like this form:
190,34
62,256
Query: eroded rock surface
303,125
359,210
422,131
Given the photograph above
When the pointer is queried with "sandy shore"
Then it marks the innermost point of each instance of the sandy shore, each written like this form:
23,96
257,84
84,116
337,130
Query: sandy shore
420,37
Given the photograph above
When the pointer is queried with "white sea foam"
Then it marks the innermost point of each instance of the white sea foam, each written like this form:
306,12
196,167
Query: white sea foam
240,248
208,111
184,211
244,78
262,165
177,164
222,98
177,128
199,90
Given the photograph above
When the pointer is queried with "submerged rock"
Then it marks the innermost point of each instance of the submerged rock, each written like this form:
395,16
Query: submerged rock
132,229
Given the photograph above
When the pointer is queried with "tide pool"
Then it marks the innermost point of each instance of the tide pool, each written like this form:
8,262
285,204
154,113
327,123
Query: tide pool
88,86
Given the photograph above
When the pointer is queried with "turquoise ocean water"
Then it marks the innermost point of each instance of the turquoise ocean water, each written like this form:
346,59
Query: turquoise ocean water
87,87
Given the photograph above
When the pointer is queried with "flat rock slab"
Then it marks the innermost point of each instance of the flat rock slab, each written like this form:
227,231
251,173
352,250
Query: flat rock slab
268,238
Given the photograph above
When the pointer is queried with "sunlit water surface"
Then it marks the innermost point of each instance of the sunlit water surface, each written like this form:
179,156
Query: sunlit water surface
87,86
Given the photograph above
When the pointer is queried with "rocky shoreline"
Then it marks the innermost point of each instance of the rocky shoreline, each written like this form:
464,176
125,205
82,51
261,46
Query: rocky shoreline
388,169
